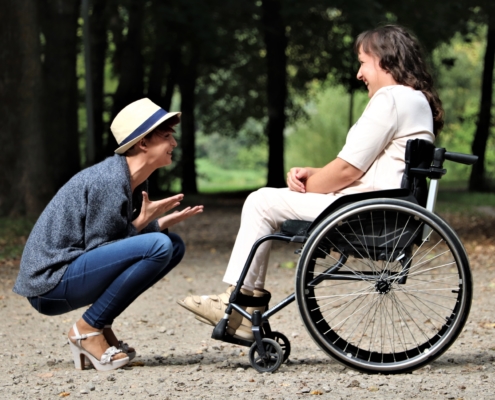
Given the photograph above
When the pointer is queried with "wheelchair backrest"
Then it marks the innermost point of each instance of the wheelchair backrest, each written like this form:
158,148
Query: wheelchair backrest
418,158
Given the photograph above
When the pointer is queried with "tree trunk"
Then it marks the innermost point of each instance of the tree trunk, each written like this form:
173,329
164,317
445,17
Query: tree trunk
98,35
164,100
131,82
276,44
60,95
187,85
160,54
23,168
166,59
172,77
477,181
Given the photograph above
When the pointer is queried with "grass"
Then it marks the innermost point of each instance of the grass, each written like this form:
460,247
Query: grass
451,199
462,201
13,236
215,179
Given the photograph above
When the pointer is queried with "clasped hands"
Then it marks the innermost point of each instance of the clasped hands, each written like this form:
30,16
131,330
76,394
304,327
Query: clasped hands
296,179
151,210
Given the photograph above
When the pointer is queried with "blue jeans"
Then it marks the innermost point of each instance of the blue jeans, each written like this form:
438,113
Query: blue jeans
111,277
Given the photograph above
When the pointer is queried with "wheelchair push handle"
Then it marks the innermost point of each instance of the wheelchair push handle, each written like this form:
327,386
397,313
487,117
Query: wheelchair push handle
467,159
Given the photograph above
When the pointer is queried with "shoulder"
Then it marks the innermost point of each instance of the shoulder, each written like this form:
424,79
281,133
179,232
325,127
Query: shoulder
398,94
112,170
406,96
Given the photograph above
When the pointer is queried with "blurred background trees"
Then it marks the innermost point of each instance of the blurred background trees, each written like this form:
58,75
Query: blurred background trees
263,85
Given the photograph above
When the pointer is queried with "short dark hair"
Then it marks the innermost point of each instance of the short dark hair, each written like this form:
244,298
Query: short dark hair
164,126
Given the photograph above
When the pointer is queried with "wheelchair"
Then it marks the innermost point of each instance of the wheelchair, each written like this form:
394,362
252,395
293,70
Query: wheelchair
383,285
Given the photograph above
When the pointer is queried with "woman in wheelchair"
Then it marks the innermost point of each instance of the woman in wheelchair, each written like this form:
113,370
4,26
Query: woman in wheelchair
403,105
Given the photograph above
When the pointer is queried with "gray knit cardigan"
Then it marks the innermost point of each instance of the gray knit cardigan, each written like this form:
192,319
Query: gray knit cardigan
94,208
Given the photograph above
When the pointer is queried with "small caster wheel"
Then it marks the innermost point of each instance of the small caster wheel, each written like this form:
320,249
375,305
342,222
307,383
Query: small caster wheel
273,358
283,342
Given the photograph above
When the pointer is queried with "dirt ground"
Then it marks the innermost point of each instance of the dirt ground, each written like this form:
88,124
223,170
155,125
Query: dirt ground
178,359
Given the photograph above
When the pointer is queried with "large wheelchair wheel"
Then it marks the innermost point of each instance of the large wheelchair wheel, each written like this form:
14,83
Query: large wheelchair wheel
384,286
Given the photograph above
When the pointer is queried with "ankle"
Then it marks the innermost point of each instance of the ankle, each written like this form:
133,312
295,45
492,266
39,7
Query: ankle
109,335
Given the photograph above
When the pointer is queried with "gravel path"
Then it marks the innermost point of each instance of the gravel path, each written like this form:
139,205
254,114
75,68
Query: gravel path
178,359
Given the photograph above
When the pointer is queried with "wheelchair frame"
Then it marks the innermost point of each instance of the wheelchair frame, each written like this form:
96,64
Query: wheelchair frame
334,231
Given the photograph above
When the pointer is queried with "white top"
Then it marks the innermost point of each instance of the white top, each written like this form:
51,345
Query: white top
376,143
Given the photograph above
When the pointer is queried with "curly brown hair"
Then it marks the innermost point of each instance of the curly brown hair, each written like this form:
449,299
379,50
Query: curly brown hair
401,55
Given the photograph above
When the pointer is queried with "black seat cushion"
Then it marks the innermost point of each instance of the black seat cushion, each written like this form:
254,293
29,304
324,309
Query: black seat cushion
301,228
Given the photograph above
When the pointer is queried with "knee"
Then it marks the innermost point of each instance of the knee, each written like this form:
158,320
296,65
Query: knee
160,247
260,200
179,248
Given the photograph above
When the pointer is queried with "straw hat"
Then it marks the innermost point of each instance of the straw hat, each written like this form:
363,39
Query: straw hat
135,121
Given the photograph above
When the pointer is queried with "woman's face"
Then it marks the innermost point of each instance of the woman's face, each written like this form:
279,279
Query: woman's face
161,146
370,72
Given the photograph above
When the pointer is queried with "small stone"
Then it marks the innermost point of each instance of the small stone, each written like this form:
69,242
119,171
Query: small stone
162,329
240,370
111,378
354,383
83,391
91,387
170,332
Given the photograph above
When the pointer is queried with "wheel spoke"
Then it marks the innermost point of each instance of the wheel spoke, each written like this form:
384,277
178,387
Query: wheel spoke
384,296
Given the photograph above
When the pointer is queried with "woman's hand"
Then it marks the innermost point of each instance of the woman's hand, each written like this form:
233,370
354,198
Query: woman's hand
168,220
151,210
296,179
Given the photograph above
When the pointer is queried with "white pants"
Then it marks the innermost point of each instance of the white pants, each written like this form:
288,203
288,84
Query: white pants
263,213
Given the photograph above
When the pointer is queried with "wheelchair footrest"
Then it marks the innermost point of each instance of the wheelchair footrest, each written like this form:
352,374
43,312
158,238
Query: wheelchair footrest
231,339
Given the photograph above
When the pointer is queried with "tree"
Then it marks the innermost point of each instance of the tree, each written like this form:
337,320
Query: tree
98,27
478,180
60,96
130,65
274,35
23,166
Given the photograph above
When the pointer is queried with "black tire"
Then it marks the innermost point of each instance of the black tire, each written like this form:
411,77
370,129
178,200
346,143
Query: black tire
283,342
272,360
376,296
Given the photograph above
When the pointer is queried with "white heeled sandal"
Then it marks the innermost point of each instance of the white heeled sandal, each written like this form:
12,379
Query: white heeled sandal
123,347
104,364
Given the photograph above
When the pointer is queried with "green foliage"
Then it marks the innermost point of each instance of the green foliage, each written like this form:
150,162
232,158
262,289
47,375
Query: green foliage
215,179
459,66
318,139
231,163
13,236
466,203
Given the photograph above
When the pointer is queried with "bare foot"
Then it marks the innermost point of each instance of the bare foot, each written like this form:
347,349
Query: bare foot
95,345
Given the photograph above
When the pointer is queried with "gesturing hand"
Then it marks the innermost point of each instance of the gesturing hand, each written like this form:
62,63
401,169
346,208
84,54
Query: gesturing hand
151,210
296,179
177,216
